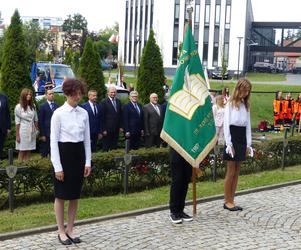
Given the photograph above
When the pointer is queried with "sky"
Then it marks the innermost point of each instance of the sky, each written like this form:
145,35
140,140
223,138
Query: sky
104,13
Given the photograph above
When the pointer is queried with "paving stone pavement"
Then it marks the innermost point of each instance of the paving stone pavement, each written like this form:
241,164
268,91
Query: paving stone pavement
270,220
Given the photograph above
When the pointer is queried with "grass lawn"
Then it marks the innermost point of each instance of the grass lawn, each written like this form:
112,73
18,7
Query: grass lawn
37,215
261,103
265,77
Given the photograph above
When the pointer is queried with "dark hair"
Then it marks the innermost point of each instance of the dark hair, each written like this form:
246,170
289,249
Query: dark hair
71,86
23,99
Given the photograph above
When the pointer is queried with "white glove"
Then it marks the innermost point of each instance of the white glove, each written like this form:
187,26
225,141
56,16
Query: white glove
251,151
229,151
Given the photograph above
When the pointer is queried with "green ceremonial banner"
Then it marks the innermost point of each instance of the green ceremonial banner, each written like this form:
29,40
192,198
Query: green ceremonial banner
189,124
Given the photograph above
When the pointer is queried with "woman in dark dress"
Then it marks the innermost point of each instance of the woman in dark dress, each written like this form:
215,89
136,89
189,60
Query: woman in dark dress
70,156
237,132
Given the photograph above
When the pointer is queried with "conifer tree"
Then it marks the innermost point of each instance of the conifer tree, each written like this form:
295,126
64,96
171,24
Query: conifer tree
150,72
90,69
15,71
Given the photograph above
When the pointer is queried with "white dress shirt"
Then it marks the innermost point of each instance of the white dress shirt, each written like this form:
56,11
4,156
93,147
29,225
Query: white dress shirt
69,124
238,117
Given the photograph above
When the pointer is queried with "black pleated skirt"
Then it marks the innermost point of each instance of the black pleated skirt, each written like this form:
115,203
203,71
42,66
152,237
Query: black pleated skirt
239,141
72,157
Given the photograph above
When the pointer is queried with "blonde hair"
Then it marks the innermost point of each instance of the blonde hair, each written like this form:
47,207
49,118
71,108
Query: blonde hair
236,99
219,101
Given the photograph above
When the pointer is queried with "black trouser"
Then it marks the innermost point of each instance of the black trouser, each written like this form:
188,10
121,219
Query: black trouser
152,141
110,141
181,172
45,147
93,138
135,141
2,138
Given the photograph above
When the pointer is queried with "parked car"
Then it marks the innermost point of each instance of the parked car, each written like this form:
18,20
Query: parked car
217,73
121,92
264,67
105,65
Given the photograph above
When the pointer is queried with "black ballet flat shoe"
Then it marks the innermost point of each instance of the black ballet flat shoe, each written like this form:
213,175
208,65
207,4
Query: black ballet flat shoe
239,208
75,240
65,242
232,209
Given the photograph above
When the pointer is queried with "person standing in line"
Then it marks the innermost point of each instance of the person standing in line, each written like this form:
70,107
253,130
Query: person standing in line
237,131
181,172
218,114
153,122
111,115
26,120
45,114
70,156
5,123
226,94
133,121
93,109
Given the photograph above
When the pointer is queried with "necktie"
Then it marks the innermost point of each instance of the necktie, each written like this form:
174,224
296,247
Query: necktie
136,107
94,109
157,109
114,104
52,106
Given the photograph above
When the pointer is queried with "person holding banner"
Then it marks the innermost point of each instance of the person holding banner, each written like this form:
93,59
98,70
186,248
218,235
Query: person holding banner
237,131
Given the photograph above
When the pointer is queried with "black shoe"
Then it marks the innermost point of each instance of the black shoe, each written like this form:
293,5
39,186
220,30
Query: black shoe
231,208
64,242
239,208
175,218
75,240
186,217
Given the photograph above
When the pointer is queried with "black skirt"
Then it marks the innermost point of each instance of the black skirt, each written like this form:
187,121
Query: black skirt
239,141
72,156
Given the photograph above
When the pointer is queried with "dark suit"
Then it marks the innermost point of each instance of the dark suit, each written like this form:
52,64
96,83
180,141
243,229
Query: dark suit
111,121
153,123
4,120
133,123
94,122
45,114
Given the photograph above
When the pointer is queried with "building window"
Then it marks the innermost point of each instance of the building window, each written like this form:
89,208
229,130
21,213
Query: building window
126,15
176,32
197,13
125,44
226,53
215,54
136,16
141,15
205,54
217,14
131,17
207,14
228,16
175,53
151,14
130,52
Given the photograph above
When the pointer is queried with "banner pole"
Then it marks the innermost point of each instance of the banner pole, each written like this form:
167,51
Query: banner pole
193,177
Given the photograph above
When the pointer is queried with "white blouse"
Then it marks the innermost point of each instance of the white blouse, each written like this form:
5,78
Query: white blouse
237,117
69,124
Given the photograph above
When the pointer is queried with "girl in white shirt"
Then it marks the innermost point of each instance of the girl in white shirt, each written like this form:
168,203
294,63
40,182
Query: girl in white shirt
237,131
218,114
70,156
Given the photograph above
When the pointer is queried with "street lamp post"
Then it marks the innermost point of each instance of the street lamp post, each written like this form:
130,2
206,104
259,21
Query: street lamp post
137,40
239,42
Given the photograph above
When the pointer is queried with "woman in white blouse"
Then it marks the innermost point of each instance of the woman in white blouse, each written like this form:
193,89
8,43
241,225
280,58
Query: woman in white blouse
70,156
26,120
237,132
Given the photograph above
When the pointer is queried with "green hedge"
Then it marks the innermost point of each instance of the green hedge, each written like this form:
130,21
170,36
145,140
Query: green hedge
150,169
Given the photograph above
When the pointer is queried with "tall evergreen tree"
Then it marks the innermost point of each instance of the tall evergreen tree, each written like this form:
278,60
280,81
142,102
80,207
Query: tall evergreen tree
90,69
15,72
150,72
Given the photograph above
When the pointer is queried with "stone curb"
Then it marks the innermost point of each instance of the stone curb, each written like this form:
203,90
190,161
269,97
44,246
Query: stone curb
51,228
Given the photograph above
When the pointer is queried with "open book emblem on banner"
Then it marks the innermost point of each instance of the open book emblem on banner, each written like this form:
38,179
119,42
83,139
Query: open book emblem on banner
193,94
